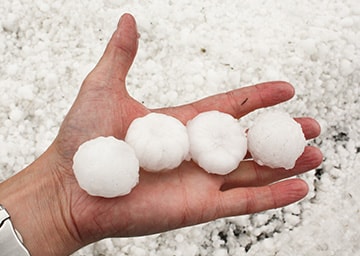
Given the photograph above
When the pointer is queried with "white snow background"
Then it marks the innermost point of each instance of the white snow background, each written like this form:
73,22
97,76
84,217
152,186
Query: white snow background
189,50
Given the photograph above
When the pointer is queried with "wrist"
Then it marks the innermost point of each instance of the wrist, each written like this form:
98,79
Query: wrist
35,201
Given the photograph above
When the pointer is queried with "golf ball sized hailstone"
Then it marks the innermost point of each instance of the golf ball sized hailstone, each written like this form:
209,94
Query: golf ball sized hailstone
106,167
217,142
160,141
276,140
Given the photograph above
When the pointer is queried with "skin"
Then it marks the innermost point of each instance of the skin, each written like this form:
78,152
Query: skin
49,209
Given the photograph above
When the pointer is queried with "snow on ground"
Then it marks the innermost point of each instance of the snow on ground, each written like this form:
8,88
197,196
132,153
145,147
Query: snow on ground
188,50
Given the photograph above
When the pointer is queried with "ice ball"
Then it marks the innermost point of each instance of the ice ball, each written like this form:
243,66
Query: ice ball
160,141
106,167
276,140
217,142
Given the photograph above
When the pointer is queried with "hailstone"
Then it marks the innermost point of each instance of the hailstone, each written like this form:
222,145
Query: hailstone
276,140
106,167
160,141
217,142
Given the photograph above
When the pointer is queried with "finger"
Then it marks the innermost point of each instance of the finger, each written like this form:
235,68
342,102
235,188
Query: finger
121,50
310,127
240,201
238,102
250,174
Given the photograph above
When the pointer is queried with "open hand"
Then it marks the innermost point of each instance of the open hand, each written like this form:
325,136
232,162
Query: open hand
161,201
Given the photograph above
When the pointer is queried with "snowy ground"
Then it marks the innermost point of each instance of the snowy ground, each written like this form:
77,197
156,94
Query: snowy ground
188,50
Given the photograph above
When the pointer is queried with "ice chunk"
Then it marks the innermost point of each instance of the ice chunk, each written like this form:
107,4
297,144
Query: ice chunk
217,142
160,141
16,114
276,140
106,167
10,23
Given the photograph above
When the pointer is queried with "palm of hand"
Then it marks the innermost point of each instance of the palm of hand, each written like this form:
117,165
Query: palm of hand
160,202
173,199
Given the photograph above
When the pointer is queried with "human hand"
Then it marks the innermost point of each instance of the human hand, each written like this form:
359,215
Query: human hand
67,218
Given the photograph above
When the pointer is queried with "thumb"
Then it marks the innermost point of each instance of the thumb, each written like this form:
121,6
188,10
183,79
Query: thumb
121,49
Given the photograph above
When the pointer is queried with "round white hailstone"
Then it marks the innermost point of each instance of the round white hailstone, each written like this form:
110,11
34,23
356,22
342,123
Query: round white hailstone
10,23
16,114
160,141
106,167
217,142
276,140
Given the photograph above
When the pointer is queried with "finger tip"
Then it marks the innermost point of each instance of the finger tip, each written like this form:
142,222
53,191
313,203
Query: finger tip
288,90
127,25
289,191
275,92
302,188
311,128
121,49
126,17
317,157
317,128
297,189
310,159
